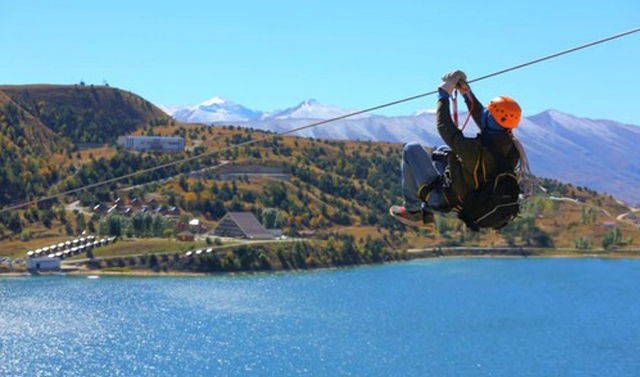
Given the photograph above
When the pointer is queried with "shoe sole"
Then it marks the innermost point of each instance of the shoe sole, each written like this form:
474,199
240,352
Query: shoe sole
413,224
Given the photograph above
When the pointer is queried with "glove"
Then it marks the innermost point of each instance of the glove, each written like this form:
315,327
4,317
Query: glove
453,74
450,81
463,87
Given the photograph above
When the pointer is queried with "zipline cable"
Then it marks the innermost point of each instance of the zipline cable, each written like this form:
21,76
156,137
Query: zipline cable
315,124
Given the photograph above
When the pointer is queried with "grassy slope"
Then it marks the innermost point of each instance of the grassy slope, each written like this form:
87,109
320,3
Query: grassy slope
33,101
85,114
108,99
562,220
41,139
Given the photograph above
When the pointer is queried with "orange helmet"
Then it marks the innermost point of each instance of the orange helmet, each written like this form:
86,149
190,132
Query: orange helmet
505,111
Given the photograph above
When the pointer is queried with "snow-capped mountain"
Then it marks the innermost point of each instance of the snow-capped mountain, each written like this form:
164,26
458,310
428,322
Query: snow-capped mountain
172,109
375,128
214,110
599,154
310,109
218,110
424,111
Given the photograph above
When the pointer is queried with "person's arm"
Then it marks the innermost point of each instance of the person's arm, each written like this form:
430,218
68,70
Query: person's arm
463,147
449,132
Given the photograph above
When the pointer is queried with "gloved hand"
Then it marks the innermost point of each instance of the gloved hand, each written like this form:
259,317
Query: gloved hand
450,81
463,87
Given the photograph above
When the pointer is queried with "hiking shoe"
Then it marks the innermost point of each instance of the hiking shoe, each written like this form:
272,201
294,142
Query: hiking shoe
420,218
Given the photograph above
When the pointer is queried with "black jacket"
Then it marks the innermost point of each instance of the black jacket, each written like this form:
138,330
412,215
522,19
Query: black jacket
474,161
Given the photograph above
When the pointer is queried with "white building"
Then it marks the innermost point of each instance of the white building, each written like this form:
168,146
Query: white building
43,264
152,143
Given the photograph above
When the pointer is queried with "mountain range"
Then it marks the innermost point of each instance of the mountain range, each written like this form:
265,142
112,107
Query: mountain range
600,154
218,111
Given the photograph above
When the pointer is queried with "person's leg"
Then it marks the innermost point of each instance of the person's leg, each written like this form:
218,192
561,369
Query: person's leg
417,170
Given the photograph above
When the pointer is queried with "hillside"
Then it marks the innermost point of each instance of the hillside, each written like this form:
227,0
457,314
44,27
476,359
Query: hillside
43,128
85,114
26,131
599,154
324,188
26,150
347,187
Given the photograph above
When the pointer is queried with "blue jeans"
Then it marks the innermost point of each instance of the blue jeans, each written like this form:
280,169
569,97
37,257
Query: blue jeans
418,169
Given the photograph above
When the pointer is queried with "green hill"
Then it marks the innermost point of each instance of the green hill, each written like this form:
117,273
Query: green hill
42,125
325,188
27,132
85,114
26,148
346,187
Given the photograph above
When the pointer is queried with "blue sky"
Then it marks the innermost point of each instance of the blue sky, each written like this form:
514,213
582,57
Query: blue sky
354,54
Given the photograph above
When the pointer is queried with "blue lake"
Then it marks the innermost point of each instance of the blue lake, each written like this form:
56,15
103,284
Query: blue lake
460,317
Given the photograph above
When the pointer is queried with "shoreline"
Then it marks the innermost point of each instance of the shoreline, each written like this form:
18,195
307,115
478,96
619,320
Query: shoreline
551,256
414,255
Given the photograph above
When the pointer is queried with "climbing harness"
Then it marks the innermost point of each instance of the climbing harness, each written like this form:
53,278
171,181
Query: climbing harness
315,124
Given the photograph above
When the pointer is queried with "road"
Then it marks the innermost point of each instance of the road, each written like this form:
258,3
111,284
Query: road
221,164
622,217
75,206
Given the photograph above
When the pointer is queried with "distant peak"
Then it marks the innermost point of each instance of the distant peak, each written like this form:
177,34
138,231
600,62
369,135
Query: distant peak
310,102
172,109
424,111
551,114
213,101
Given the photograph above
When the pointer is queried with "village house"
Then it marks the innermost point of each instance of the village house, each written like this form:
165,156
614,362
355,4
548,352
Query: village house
186,236
43,264
241,225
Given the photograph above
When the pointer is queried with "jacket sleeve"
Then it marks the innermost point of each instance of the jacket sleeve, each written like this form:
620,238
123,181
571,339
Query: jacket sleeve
449,133
475,106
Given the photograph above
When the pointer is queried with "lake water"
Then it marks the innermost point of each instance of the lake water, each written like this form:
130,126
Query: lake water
463,317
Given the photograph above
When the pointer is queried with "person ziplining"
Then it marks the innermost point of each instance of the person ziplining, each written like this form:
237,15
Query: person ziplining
475,177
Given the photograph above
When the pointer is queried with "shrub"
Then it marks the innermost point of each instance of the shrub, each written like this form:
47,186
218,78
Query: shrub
25,236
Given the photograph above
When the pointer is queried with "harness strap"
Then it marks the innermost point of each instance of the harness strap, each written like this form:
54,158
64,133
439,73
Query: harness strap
454,100
468,115
425,190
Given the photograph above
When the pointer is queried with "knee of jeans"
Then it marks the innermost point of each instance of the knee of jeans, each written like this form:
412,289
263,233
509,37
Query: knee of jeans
410,148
